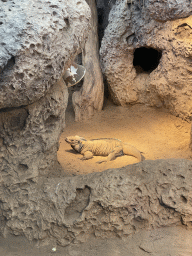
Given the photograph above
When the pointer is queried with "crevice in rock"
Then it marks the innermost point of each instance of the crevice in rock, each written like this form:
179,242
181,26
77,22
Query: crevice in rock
165,205
77,206
9,65
144,250
184,199
103,10
100,13
67,21
23,167
146,59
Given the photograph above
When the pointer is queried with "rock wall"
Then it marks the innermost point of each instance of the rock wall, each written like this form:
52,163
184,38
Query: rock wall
37,46
38,41
30,135
146,54
114,203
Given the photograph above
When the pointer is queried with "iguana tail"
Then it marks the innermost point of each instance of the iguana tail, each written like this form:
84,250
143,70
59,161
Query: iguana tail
132,151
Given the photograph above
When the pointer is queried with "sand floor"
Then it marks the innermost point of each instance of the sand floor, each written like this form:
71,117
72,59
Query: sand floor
155,132
167,241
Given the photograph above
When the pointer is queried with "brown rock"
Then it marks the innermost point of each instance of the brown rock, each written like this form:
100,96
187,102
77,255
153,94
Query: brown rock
114,203
146,60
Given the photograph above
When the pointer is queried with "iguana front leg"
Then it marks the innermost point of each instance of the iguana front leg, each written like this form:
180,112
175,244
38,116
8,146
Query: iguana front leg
116,152
87,155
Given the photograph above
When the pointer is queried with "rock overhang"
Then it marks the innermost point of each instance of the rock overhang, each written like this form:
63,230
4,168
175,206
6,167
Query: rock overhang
35,51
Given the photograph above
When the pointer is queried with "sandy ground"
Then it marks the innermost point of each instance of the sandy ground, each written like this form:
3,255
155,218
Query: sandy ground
155,132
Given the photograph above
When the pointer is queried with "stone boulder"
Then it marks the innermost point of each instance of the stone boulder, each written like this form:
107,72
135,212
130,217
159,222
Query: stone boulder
38,38
38,41
146,54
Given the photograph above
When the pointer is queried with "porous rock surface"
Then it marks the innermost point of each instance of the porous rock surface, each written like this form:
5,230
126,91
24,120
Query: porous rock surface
159,73
114,203
29,136
38,40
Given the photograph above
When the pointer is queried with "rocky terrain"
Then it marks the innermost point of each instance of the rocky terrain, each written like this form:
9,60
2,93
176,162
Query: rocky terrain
134,208
146,54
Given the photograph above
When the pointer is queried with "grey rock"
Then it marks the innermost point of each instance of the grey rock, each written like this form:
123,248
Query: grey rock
169,10
146,55
37,38
30,135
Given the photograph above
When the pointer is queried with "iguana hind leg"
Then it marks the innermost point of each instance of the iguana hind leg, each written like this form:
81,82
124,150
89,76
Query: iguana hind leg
116,152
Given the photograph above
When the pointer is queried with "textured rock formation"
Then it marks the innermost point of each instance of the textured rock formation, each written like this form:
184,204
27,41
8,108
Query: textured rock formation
38,38
146,54
43,38
168,10
38,41
30,135
114,203
90,98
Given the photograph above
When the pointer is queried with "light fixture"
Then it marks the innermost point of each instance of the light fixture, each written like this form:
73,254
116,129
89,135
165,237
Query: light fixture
74,74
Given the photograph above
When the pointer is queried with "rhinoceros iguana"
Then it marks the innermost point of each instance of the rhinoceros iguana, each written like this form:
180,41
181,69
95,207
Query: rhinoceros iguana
102,147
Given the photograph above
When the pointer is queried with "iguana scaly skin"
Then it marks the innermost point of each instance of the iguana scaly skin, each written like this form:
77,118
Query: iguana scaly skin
102,147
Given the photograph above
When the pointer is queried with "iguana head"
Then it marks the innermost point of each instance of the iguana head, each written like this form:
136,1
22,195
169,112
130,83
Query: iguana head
76,142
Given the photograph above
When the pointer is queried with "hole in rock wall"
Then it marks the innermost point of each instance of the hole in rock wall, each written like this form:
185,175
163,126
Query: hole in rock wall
66,21
146,59
78,59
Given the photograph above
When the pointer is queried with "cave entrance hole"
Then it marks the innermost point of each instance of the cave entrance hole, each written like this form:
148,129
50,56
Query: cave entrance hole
146,59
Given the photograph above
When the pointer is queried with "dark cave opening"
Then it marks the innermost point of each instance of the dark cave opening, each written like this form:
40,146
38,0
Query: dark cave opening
146,59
